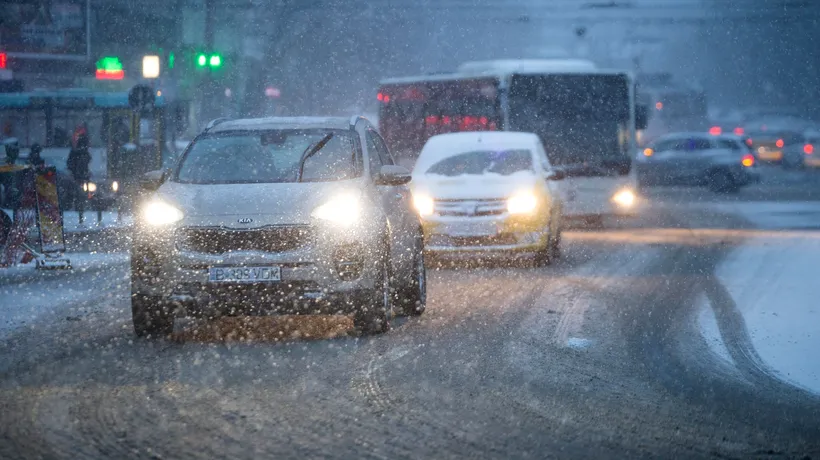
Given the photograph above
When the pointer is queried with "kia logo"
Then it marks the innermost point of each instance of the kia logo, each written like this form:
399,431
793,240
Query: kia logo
245,220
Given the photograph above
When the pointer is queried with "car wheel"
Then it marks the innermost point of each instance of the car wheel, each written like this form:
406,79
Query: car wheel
373,316
151,316
543,256
5,227
413,297
555,246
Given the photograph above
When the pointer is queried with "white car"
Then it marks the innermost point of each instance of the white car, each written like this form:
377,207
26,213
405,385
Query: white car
488,193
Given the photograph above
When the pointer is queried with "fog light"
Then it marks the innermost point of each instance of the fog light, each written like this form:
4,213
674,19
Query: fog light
349,261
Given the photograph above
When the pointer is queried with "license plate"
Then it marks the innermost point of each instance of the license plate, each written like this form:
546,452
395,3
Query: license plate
469,229
256,274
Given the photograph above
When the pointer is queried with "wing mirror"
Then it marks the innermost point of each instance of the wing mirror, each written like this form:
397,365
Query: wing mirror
393,175
556,174
152,180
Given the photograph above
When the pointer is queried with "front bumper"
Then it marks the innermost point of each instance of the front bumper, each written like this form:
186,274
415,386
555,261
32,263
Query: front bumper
322,272
512,235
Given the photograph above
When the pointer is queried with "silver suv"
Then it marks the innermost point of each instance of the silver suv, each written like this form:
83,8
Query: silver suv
278,216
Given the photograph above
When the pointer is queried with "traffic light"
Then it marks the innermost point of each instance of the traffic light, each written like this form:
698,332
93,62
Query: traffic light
211,60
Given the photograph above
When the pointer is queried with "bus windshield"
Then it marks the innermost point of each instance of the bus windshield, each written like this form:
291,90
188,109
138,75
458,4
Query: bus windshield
579,118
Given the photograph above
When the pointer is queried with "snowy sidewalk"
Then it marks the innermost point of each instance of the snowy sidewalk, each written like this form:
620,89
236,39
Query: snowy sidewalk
774,282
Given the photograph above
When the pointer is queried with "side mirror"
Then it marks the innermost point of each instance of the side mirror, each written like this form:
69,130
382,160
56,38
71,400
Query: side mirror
556,174
152,180
641,116
393,175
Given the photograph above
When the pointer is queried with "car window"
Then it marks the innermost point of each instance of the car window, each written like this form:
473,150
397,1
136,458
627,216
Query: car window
268,156
373,157
381,147
666,145
728,144
504,162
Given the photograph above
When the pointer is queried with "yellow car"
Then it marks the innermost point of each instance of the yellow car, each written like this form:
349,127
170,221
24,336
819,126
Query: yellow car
488,193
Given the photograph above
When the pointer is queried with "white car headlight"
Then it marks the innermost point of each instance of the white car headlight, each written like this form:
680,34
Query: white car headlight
522,203
89,187
115,186
423,204
344,210
159,213
624,198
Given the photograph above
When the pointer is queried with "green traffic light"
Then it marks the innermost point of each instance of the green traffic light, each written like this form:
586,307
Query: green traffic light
201,60
215,61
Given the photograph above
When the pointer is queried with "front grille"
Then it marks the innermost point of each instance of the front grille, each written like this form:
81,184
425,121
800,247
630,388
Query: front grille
504,239
211,240
487,207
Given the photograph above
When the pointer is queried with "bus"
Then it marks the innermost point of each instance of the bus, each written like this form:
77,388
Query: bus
585,116
123,143
675,106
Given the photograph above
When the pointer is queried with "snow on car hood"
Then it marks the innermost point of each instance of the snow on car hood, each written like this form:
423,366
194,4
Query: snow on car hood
265,204
471,186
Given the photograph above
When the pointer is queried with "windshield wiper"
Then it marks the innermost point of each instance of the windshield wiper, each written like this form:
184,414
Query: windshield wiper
311,150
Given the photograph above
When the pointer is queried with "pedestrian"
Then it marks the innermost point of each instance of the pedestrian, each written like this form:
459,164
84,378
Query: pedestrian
12,151
79,159
34,157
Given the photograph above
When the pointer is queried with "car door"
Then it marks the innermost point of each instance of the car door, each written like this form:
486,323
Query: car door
664,158
397,205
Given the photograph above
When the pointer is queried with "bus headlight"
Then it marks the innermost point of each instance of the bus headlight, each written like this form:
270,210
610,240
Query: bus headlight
624,198
522,203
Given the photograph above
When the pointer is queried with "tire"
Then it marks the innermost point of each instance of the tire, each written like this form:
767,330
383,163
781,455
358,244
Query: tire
413,297
5,228
373,316
151,316
555,246
543,256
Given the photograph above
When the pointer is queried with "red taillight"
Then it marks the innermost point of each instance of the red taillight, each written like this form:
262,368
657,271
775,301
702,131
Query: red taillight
808,149
715,130
445,120
431,120
739,131
748,160
380,96
749,142
779,143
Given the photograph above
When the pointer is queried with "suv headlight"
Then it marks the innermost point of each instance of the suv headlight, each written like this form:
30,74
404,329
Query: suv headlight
344,210
160,213
522,203
423,204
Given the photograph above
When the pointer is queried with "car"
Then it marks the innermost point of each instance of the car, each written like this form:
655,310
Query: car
723,163
488,193
278,216
799,151
768,144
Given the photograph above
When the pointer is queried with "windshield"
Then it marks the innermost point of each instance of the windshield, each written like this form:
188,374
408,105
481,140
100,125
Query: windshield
579,118
503,162
268,157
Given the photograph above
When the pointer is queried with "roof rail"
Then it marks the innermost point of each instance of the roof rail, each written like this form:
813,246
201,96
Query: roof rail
215,122
355,119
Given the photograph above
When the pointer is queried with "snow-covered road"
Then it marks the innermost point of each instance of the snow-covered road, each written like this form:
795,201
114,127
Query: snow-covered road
773,280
